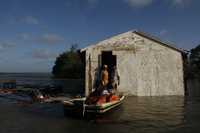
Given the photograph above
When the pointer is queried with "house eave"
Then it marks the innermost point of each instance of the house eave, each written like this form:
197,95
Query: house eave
148,36
155,39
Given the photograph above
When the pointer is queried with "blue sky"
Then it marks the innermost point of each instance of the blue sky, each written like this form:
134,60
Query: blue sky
34,32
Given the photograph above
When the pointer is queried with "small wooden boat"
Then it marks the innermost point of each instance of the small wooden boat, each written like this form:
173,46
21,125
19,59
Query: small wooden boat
78,106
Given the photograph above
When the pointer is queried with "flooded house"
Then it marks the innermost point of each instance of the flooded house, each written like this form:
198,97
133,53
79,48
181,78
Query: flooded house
147,65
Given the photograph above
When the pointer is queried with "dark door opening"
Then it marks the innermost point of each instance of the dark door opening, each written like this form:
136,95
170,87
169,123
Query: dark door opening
108,59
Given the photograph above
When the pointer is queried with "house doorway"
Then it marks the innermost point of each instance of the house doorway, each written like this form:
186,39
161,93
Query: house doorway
107,58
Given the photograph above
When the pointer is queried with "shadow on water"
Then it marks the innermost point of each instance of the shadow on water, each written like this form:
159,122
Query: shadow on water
136,114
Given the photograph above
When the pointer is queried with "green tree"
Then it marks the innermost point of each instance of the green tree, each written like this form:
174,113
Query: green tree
195,61
68,64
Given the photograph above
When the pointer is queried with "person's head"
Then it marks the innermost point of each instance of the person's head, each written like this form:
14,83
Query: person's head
105,67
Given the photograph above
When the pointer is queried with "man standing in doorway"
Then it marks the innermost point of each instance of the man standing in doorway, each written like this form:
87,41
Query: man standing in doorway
100,94
104,77
115,79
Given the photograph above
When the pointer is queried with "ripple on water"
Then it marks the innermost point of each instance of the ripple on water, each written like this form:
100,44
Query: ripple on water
136,114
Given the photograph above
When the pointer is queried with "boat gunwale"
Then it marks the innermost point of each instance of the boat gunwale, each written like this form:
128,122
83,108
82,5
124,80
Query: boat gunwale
104,105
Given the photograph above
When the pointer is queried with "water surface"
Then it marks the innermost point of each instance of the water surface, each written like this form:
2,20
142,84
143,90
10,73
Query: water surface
136,115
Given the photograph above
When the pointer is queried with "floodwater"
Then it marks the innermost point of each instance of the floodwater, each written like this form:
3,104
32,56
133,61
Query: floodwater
135,115
43,80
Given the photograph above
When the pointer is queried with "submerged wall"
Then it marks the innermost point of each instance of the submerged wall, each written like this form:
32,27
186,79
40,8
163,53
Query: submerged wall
146,67
193,87
159,69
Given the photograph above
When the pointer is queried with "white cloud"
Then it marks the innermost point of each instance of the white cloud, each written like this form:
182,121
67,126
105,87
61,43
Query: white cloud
28,20
6,44
163,32
43,54
181,3
144,3
89,3
50,39
24,36
92,2
139,3
47,38
177,2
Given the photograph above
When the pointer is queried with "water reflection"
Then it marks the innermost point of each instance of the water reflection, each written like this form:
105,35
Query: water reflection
149,113
137,114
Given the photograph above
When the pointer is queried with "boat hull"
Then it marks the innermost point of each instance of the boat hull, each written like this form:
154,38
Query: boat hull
78,107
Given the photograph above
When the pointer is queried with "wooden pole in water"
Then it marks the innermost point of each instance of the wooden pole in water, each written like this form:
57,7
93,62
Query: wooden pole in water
83,108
